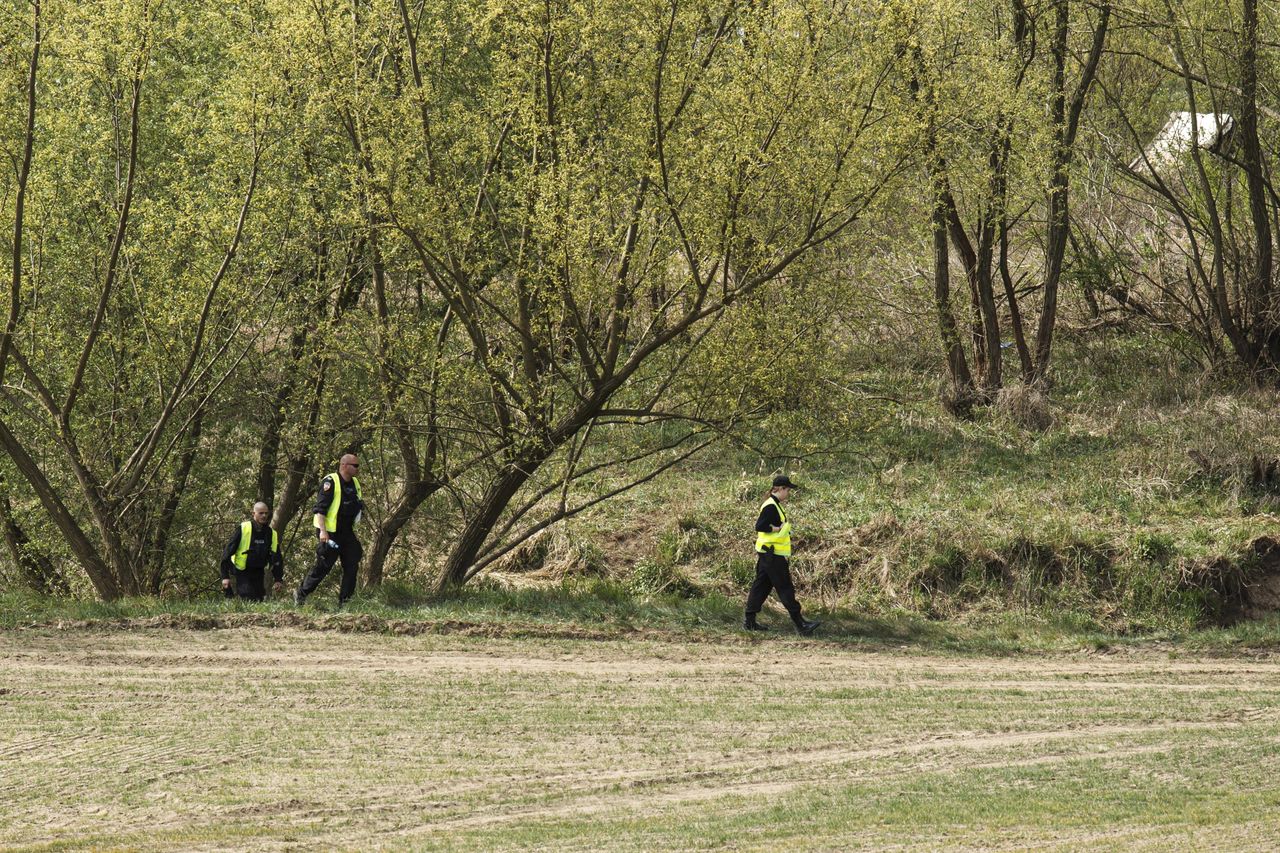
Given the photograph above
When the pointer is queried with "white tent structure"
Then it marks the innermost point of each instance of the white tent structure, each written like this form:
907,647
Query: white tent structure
1210,131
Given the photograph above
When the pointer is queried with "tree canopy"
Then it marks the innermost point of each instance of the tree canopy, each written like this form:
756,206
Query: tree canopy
524,256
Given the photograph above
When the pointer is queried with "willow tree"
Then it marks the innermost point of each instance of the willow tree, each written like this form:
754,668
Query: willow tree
1194,246
1000,166
589,189
126,311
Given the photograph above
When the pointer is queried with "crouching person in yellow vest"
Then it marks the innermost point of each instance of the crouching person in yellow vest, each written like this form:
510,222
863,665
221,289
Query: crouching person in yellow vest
253,547
339,504
773,556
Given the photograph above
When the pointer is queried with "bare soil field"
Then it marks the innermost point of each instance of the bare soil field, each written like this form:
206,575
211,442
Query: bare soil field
283,739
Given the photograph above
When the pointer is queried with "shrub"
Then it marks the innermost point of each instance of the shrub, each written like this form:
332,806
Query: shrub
655,577
1027,407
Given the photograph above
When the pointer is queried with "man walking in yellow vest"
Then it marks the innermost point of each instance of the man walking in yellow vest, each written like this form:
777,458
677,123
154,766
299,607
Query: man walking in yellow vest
253,547
773,555
339,503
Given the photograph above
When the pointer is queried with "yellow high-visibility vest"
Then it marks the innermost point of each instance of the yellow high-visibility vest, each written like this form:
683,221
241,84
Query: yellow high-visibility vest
781,541
241,556
331,517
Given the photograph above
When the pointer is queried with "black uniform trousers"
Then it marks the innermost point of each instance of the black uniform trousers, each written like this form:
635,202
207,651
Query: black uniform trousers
248,583
348,550
773,574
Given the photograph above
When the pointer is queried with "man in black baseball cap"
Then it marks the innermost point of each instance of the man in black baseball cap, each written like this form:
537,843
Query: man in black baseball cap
773,550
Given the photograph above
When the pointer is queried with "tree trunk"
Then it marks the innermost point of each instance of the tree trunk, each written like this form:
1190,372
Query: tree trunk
1015,311
984,281
977,264
158,538
1066,119
99,572
298,466
411,497
292,495
1056,239
957,366
33,564
1265,334
476,531
269,453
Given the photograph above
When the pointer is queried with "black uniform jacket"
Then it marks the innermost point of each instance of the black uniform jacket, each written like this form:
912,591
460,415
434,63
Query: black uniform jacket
769,518
259,555
347,510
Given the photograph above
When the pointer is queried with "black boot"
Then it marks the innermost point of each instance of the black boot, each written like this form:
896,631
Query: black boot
749,623
805,628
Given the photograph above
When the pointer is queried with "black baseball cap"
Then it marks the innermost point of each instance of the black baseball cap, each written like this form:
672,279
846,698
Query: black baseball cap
782,480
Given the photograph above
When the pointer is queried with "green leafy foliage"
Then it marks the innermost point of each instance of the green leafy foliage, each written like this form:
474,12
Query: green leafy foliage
527,258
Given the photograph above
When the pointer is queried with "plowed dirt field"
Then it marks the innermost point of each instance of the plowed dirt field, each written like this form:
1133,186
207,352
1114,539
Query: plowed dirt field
283,739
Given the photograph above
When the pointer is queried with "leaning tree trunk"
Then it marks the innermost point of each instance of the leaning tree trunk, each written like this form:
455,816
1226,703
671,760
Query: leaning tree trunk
496,498
412,497
86,552
33,564
1015,312
158,538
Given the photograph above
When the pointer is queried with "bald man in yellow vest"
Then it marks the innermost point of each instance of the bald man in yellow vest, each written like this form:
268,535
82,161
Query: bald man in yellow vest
253,547
339,504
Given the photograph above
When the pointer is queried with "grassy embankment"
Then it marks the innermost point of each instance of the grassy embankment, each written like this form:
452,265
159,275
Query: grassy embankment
1102,520
1100,525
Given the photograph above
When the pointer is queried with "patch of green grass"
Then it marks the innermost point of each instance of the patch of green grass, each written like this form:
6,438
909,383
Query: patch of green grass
607,609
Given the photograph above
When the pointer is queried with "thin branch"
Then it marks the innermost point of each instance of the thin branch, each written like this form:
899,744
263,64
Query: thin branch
142,454
113,259
524,536
24,173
